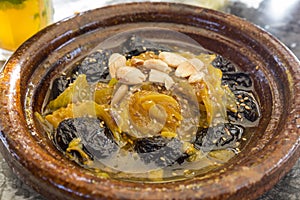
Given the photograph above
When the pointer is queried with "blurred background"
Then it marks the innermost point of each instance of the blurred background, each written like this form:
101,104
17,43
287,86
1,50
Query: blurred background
280,18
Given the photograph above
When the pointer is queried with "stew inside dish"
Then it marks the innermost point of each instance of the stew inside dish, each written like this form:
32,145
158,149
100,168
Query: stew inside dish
150,112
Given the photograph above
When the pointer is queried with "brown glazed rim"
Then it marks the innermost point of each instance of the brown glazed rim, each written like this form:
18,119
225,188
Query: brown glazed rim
253,172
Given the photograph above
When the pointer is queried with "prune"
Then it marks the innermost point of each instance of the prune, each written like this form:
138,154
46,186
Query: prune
97,140
162,151
221,136
223,64
150,144
248,108
65,133
238,80
135,45
59,85
95,66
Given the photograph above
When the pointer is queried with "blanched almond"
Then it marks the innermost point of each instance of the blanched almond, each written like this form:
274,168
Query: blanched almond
158,65
161,77
130,75
172,59
115,61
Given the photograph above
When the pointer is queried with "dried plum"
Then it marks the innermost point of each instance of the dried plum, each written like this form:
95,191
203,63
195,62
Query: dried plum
59,85
135,45
150,144
248,109
238,80
221,136
97,140
223,64
95,66
162,151
65,133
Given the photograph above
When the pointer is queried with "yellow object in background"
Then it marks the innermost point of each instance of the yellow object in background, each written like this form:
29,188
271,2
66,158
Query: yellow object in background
20,19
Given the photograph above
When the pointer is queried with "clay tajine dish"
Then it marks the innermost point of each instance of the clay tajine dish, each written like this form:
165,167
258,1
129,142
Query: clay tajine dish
270,152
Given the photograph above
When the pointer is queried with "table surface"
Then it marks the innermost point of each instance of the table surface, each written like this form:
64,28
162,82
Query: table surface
280,18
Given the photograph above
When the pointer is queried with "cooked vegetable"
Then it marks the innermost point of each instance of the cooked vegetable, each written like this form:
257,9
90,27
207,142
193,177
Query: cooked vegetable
146,107
84,109
103,93
76,92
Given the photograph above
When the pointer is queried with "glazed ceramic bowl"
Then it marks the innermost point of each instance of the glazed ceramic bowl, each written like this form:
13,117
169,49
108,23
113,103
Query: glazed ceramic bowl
270,153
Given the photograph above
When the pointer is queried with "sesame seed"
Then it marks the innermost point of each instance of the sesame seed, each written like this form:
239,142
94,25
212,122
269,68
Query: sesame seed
247,107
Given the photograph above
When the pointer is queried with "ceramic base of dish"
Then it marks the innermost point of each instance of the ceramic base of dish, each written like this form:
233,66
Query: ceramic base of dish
269,155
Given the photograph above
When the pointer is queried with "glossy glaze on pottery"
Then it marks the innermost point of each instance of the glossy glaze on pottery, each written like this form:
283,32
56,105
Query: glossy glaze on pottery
271,152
